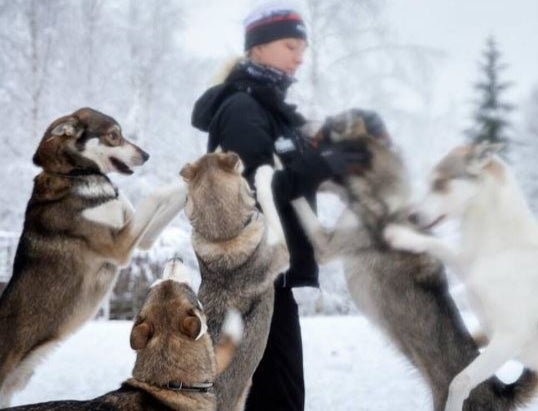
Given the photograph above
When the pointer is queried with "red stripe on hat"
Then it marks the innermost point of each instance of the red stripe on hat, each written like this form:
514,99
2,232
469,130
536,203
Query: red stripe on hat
273,19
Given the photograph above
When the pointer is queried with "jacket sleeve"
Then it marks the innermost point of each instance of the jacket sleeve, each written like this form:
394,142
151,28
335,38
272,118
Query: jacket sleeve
244,127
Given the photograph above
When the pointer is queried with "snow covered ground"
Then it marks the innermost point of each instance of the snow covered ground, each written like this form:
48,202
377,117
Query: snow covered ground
348,366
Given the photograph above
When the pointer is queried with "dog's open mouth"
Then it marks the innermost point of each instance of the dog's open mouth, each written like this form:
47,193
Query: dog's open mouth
435,222
121,166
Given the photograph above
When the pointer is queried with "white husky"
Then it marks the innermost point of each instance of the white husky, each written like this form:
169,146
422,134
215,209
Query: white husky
497,261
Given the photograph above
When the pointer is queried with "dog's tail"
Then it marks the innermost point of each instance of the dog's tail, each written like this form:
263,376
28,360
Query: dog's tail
230,337
520,392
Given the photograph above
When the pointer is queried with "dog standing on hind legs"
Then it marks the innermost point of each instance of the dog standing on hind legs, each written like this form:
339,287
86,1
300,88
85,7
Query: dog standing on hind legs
78,231
240,252
497,260
404,294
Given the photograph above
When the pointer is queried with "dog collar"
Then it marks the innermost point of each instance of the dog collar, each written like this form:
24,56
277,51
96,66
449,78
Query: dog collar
202,387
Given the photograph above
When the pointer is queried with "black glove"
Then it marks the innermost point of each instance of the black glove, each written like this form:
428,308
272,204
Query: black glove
333,160
343,158
309,170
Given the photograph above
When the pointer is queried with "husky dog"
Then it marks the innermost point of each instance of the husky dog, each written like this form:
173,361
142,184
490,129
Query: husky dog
240,252
175,361
77,231
497,258
405,294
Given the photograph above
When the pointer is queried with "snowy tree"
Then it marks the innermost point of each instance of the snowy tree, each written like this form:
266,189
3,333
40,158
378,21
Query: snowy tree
531,116
491,113
524,149
352,59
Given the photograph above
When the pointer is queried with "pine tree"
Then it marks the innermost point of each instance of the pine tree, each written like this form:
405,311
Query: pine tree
491,114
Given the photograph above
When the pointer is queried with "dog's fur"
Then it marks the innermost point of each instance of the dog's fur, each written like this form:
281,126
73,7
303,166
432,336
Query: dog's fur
77,231
405,294
497,259
173,350
240,252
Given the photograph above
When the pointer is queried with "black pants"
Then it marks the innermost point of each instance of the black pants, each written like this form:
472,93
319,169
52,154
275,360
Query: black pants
278,382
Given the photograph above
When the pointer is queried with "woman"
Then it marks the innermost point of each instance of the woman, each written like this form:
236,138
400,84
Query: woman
247,114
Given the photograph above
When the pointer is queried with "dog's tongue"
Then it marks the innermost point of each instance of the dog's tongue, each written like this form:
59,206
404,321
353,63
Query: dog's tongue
120,166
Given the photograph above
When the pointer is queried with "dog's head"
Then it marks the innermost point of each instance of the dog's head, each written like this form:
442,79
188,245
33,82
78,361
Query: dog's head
219,200
384,177
353,124
456,180
170,332
87,141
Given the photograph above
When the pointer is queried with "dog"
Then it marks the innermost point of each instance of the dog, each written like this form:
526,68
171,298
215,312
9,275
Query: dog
404,294
78,230
496,259
176,363
240,252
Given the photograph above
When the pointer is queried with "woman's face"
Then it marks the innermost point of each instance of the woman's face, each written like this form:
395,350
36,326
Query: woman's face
284,54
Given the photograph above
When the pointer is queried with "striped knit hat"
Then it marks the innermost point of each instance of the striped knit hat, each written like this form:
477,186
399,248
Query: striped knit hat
272,21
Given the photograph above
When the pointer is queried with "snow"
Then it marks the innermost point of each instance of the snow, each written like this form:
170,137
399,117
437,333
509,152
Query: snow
349,365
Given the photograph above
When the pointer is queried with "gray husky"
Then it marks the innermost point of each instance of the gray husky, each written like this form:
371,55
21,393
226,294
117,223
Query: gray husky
404,294
240,252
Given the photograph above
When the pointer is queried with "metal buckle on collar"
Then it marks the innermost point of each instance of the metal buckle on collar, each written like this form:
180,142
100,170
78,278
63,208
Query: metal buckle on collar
172,385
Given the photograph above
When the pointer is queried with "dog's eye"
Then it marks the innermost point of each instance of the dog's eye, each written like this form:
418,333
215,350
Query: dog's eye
440,185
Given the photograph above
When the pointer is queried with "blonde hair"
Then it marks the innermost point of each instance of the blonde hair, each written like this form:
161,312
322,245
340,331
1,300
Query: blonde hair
226,68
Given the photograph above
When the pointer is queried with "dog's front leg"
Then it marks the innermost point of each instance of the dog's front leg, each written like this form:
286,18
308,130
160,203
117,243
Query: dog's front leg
276,240
174,198
315,232
484,366
329,244
264,194
150,216
402,237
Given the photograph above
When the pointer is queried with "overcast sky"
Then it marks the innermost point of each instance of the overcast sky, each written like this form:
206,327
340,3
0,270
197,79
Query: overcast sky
458,28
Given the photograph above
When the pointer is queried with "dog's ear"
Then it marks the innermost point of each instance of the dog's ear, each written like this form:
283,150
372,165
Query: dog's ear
188,172
193,325
231,162
480,155
70,127
50,145
140,335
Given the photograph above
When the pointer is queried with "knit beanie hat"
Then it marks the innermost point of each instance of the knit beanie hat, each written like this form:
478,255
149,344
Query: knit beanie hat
272,21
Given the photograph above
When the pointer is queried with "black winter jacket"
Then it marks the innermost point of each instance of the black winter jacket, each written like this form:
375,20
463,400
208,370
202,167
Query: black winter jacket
247,114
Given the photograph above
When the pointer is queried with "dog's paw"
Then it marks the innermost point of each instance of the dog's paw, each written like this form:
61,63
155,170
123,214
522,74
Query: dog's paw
233,325
174,193
404,238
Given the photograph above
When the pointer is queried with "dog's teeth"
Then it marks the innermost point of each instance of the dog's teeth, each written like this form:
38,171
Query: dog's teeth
233,325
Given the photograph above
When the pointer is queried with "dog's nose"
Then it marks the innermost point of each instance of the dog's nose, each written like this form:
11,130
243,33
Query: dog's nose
145,156
413,218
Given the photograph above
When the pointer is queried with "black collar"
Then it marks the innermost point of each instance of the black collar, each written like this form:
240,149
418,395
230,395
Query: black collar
202,387
77,173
